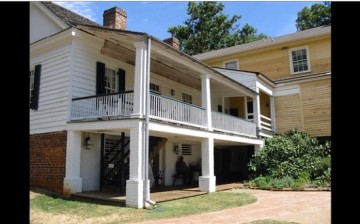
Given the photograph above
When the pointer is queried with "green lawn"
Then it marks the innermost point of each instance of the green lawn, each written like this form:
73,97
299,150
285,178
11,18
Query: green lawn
51,209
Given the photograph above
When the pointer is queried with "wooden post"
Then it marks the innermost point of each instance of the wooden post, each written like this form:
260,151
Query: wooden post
102,160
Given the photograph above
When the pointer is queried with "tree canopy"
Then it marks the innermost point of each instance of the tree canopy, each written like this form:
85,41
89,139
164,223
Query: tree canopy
316,15
208,28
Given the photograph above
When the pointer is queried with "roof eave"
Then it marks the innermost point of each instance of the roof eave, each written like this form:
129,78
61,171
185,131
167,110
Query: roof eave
234,49
164,45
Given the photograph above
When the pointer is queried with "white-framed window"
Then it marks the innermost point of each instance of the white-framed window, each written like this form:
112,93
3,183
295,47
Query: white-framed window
231,64
299,60
154,88
250,111
187,98
32,78
111,81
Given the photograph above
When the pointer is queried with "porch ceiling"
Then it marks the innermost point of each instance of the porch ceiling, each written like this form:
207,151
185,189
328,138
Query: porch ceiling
120,46
165,60
194,139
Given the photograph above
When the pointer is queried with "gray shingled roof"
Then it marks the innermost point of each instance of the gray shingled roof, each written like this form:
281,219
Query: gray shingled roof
315,32
69,17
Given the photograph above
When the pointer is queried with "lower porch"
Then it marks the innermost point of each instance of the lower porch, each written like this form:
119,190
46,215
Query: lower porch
112,195
116,157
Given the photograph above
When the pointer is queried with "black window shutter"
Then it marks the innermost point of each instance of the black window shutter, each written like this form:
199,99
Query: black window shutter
35,101
121,74
100,78
30,90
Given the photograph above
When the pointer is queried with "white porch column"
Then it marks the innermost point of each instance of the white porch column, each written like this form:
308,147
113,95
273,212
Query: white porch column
134,186
245,108
72,180
258,147
139,82
207,182
256,106
206,98
272,111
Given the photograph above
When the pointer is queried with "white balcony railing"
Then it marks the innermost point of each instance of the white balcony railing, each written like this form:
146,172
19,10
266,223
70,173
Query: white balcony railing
168,109
113,105
265,123
162,108
229,123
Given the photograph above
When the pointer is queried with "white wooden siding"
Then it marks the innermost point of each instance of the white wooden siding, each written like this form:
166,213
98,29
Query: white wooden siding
166,85
287,90
40,24
245,78
54,86
90,164
86,54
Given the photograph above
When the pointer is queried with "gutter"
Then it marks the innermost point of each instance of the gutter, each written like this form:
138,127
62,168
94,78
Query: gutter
302,78
146,184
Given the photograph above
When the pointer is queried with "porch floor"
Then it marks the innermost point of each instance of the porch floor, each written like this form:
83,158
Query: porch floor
112,195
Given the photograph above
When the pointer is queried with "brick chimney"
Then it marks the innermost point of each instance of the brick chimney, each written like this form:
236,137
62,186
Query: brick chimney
115,18
172,41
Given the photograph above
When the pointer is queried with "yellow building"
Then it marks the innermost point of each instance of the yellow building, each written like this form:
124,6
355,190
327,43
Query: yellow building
297,67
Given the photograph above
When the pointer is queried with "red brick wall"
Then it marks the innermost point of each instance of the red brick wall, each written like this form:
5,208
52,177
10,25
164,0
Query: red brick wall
47,160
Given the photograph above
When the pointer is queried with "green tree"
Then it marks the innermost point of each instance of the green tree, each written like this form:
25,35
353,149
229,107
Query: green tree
316,15
207,28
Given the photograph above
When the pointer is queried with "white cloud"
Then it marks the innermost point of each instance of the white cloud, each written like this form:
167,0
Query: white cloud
81,8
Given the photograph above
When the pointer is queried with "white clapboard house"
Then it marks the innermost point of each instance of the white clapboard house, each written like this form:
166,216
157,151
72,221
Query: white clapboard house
111,107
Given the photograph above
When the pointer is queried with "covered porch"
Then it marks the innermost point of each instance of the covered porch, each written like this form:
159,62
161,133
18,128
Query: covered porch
159,194
96,168
164,94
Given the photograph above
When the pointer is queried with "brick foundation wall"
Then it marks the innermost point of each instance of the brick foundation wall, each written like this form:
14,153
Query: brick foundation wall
47,160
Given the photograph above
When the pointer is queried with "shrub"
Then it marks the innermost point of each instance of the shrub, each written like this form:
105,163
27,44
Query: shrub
261,182
271,183
324,180
292,154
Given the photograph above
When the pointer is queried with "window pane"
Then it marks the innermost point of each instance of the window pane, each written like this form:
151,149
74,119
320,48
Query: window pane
187,98
299,60
231,65
250,107
110,81
154,88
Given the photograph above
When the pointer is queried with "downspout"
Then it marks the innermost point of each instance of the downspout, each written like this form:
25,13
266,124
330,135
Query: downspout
147,114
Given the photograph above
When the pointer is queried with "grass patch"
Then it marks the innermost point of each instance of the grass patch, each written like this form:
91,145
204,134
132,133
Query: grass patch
204,203
88,212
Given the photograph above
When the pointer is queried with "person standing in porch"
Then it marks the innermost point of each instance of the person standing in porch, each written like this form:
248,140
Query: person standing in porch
183,169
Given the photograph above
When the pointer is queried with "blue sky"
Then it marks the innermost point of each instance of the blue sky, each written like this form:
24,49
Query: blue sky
154,17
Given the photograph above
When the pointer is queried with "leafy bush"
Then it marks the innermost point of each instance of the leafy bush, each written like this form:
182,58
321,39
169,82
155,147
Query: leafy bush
301,181
279,183
324,180
276,184
292,154
261,182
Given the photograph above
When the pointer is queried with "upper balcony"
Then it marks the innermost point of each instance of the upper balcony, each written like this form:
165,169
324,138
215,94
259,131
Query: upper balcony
143,61
162,108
